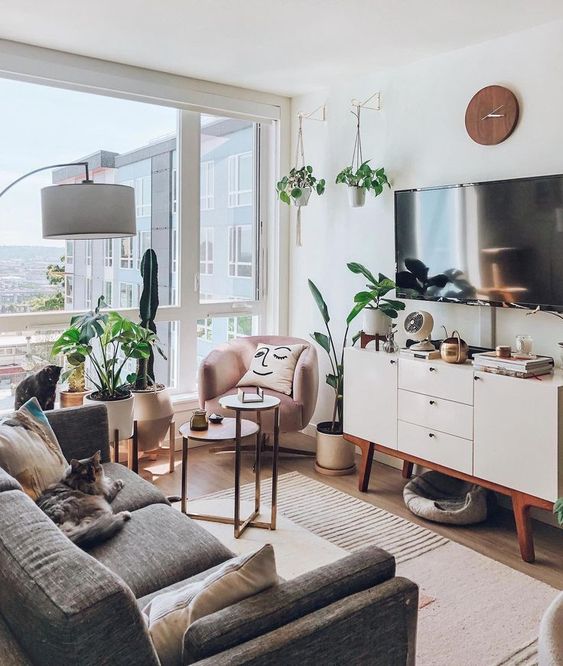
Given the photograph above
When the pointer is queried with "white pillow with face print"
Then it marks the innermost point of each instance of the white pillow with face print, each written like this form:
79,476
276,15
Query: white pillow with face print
272,367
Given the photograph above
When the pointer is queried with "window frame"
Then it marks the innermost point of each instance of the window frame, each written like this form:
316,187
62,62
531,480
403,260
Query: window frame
234,243
127,261
234,190
207,176
108,256
208,262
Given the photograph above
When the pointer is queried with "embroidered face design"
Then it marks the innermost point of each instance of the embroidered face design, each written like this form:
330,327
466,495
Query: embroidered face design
270,359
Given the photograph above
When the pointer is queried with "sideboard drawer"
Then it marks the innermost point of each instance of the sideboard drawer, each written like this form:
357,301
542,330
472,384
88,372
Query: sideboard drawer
437,378
432,445
453,418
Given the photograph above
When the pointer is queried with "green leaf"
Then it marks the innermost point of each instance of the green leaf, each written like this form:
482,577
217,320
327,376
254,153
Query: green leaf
332,380
388,310
284,196
319,300
558,510
397,305
356,337
322,340
365,297
355,311
296,192
357,268
131,378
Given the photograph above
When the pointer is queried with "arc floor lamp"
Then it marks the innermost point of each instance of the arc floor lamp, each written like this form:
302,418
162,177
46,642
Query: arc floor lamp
85,210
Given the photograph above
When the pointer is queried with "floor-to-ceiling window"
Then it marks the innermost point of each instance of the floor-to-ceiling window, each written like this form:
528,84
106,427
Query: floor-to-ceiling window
206,296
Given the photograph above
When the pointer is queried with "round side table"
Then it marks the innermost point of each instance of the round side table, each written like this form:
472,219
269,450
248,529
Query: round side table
269,402
227,430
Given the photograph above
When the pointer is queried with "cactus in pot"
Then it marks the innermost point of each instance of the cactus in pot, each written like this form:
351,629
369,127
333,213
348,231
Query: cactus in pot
153,408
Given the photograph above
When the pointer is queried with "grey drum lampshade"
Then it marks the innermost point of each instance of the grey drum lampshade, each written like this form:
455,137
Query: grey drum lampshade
88,211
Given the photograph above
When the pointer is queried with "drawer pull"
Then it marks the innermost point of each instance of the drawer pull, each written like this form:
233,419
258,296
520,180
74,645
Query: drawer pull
475,378
432,402
432,369
392,361
431,434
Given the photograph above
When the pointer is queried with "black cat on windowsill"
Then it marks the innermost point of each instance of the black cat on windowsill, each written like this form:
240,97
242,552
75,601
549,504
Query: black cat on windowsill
42,385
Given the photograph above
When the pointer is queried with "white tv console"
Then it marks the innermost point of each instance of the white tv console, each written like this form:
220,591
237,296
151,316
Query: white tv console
503,433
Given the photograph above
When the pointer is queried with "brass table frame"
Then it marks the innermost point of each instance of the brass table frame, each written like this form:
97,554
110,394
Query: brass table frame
241,525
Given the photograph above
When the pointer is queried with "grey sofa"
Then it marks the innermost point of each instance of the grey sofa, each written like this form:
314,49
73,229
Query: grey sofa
60,605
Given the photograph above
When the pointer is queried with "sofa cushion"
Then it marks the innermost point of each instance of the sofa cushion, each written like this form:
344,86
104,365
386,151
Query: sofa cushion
171,613
159,546
29,449
61,605
136,492
272,367
287,602
7,481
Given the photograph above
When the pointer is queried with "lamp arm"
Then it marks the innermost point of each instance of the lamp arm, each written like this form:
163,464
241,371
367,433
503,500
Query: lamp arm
45,168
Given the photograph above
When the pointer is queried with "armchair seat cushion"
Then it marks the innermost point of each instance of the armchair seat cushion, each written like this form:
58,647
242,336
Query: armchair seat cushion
291,412
157,547
136,492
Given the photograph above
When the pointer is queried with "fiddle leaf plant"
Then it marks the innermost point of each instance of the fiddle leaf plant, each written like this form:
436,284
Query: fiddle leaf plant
364,177
291,187
374,296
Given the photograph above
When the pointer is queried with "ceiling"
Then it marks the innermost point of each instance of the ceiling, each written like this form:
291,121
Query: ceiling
282,46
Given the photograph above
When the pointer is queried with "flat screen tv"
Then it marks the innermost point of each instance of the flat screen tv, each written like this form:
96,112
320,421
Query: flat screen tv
497,242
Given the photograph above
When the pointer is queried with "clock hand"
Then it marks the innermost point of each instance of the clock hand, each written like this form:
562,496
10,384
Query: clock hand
494,114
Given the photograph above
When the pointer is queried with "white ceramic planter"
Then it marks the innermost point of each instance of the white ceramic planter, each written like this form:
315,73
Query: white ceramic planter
153,413
120,415
356,196
334,454
375,322
303,200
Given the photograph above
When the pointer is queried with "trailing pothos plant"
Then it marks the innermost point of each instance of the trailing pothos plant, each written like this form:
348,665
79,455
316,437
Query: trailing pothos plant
364,177
373,298
107,341
292,187
335,378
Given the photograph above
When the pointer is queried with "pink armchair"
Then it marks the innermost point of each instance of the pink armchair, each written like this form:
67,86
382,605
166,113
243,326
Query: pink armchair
222,369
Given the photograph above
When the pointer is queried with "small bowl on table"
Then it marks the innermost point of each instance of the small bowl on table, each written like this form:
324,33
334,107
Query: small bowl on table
215,418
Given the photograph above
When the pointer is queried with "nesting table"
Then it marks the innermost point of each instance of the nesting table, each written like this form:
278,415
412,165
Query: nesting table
234,429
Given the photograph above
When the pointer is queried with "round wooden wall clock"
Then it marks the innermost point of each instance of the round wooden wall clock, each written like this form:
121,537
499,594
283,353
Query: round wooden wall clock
491,115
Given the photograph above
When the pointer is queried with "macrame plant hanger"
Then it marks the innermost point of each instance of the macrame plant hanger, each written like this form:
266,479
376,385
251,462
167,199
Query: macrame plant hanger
299,160
357,155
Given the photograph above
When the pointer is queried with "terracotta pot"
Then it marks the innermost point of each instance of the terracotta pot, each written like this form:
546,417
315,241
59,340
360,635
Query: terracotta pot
72,398
356,196
303,200
120,415
375,322
335,456
153,412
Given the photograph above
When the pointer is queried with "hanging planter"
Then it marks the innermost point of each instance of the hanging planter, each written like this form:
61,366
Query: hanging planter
359,176
297,186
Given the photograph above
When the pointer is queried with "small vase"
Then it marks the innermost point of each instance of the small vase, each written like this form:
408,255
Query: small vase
356,196
303,199
375,322
72,398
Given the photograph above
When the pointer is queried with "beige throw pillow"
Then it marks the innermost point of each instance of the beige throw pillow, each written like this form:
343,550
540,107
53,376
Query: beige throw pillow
29,449
272,367
170,614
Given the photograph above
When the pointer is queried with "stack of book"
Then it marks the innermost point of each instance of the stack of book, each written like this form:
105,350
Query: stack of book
513,366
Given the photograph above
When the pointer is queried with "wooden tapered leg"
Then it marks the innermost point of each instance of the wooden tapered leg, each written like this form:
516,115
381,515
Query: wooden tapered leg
116,446
407,469
521,509
135,448
172,446
368,449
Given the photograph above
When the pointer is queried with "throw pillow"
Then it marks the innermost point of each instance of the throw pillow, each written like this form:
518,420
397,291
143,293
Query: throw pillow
170,614
273,367
29,449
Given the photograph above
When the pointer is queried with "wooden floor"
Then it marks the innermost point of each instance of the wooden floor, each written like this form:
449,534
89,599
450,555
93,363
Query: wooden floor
496,538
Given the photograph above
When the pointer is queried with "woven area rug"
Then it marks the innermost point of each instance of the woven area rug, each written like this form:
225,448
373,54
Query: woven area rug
473,610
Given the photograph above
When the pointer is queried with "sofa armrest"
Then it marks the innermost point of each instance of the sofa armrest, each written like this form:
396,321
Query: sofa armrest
287,602
219,372
306,382
81,431
376,626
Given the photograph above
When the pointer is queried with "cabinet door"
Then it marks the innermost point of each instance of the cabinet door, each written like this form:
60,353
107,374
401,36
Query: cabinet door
516,433
370,396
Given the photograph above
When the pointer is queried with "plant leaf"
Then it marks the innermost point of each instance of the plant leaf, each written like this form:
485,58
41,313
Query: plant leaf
322,340
357,268
319,300
355,311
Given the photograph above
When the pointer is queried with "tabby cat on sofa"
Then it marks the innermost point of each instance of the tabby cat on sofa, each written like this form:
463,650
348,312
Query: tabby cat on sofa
80,503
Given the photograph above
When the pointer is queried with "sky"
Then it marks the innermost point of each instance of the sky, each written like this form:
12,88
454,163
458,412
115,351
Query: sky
40,125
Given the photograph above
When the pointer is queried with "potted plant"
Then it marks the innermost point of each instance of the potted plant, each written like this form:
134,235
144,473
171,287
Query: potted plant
377,310
363,179
152,408
298,185
76,391
105,342
335,456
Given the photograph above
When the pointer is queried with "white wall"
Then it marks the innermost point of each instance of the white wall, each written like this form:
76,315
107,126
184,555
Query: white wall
419,137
